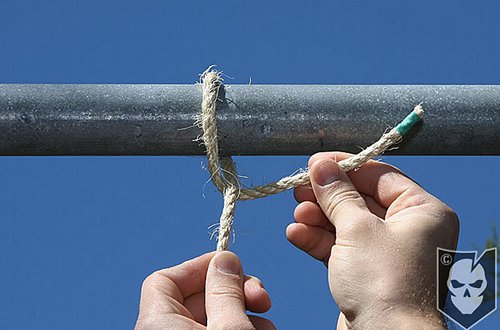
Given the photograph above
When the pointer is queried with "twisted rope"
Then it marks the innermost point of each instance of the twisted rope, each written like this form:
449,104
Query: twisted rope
223,169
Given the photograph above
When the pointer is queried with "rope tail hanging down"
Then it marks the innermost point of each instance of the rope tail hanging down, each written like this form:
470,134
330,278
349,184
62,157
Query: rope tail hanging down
223,169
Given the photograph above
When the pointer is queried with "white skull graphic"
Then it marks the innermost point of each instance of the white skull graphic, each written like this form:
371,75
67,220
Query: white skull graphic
466,285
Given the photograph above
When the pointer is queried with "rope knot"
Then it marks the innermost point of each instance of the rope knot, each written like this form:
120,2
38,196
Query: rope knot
223,169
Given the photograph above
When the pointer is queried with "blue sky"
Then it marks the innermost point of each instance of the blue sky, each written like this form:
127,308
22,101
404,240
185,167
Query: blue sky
79,234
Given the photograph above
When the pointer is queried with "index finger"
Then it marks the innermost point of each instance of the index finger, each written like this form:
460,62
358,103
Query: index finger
178,283
384,182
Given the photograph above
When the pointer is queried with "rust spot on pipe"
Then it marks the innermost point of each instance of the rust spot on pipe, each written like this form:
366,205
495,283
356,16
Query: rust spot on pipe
321,137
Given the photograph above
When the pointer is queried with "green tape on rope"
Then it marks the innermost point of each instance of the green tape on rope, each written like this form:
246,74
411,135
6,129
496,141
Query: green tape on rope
407,124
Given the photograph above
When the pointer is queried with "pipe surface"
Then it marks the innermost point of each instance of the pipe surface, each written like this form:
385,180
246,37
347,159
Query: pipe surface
252,119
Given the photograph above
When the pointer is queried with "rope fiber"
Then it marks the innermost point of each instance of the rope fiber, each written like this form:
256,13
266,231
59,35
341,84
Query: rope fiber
223,169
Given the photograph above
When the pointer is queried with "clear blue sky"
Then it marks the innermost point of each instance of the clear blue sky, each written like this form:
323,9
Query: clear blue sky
79,234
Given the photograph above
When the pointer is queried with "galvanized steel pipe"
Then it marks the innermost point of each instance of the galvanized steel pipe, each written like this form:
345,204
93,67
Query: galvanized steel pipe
252,119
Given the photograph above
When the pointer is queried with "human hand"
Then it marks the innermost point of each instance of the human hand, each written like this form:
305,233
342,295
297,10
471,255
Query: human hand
377,231
207,292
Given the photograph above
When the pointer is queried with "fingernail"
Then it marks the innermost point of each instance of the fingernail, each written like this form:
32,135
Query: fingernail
326,172
227,262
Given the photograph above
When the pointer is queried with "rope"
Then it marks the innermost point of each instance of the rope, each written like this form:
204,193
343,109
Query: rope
223,169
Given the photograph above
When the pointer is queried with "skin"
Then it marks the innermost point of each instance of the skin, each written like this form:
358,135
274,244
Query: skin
207,292
375,229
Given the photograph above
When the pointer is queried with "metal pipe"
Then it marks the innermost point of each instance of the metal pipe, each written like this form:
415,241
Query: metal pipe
252,119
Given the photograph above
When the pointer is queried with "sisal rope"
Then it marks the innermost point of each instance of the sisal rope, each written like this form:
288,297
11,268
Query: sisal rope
223,169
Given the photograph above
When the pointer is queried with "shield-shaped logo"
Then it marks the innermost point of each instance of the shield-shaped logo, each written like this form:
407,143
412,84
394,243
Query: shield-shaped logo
466,285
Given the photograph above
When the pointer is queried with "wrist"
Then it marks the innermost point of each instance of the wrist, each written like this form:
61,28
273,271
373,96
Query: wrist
432,321
392,319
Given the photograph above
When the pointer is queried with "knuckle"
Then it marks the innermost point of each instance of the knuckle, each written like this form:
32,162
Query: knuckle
415,196
323,155
152,279
156,280
145,323
254,280
450,218
442,218
313,158
338,199
226,292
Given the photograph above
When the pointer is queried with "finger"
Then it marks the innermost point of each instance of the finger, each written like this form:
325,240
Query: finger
315,241
374,207
257,299
342,322
304,193
177,283
310,213
337,156
196,306
337,197
384,182
261,323
224,295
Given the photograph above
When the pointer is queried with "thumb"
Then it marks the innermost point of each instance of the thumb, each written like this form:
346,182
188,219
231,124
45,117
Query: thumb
224,297
336,195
